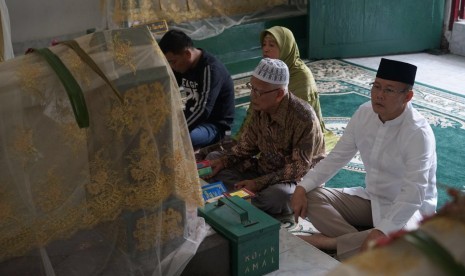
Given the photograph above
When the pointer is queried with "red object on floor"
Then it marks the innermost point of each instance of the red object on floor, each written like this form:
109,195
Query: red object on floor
456,5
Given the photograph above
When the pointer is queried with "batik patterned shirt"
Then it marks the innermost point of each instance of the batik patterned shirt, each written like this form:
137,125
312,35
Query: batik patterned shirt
286,144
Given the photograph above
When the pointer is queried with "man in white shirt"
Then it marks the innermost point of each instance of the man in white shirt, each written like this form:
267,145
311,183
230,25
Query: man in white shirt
398,150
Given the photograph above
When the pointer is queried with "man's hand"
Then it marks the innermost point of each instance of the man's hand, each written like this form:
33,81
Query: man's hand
216,165
248,184
372,237
299,203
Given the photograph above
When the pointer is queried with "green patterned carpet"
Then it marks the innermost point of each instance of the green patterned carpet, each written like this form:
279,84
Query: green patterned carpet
344,86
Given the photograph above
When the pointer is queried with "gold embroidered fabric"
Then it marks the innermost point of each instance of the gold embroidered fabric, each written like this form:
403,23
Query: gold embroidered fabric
178,11
116,198
198,18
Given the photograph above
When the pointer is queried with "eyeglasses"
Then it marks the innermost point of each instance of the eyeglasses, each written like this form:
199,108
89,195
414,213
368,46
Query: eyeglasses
388,91
259,93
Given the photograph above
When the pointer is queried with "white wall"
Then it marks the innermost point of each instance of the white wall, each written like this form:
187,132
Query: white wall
35,22
457,41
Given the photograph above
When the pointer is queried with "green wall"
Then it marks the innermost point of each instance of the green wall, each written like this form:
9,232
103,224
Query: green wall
239,47
339,29
352,28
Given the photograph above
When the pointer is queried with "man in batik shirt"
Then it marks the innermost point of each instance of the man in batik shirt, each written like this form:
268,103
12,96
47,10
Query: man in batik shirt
280,144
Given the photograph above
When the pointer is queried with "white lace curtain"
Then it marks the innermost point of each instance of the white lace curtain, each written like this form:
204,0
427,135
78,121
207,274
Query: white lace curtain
6,48
198,18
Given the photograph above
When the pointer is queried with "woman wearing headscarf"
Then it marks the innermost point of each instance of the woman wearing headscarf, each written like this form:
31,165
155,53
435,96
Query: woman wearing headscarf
279,43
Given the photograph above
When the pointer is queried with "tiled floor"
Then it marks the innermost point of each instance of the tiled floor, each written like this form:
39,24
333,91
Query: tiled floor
442,71
297,257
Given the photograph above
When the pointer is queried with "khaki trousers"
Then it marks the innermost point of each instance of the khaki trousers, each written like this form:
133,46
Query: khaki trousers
341,216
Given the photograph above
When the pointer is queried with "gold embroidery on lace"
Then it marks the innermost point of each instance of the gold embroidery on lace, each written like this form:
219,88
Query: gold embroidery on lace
23,145
122,52
148,233
151,184
29,75
120,118
104,181
105,189
186,183
129,117
74,137
145,5
78,68
156,97
444,224
50,193
399,262
144,168
6,209
186,10
139,179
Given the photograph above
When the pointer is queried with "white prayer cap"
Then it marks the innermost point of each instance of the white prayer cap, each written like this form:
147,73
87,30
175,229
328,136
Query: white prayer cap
272,71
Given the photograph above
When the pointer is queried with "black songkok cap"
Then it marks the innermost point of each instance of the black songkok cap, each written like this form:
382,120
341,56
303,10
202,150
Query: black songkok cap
396,71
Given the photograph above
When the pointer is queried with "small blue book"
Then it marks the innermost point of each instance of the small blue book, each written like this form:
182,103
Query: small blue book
213,190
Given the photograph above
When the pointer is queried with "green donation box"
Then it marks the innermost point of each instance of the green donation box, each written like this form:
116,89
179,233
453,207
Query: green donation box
253,235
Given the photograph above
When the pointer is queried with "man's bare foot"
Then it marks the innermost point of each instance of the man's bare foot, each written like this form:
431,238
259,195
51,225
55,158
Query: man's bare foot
320,241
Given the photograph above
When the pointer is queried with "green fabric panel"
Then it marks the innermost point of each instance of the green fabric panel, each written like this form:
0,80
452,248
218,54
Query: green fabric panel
89,61
74,91
354,28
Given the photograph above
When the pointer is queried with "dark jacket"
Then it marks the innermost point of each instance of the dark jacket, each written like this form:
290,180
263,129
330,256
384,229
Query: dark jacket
210,93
